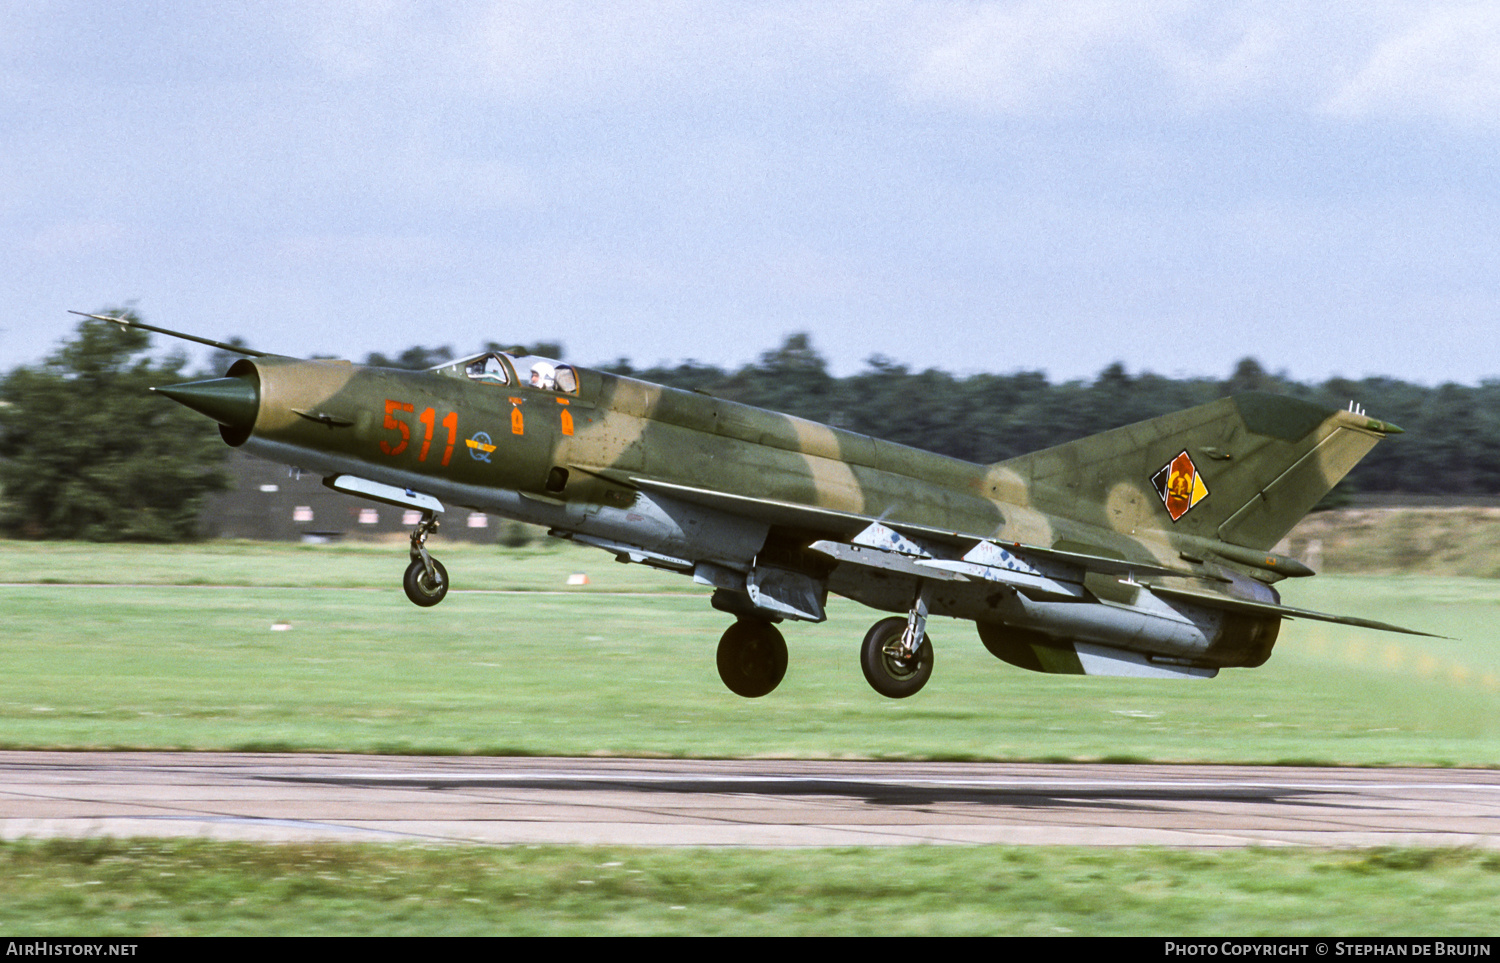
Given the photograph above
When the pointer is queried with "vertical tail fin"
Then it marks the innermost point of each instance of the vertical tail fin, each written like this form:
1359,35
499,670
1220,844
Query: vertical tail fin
1243,469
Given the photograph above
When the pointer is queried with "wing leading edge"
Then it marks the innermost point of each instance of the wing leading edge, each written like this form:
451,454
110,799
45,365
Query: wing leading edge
1035,572
1039,573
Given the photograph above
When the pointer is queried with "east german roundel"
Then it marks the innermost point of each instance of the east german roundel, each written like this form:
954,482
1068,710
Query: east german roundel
1179,485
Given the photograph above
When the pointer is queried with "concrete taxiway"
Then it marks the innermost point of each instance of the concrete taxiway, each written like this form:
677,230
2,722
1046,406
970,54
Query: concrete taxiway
295,797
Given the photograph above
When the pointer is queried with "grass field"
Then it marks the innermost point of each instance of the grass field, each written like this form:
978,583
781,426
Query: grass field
238,646
151,887
1462,540
514,661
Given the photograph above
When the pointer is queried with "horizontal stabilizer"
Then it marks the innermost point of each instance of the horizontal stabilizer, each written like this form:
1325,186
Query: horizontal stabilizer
1249,607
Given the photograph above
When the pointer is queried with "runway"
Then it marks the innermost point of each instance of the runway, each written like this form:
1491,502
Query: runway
764,803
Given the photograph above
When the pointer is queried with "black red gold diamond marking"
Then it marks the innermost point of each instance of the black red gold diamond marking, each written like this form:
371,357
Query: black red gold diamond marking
1179,485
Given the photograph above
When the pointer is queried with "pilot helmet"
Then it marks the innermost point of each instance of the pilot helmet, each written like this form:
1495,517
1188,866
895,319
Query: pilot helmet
543,375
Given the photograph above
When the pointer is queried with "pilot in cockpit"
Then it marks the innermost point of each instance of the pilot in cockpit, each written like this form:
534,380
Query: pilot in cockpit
544,375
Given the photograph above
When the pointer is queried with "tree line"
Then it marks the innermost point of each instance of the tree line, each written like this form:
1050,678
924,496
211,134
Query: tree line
87,452
1451,444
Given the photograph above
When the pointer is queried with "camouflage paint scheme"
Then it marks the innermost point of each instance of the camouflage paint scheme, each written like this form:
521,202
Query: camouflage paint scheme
1142,551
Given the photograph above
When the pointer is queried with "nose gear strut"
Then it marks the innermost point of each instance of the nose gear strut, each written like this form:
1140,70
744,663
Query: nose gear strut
426,581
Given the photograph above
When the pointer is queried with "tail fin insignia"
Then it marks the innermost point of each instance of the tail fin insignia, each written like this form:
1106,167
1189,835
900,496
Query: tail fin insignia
1179,485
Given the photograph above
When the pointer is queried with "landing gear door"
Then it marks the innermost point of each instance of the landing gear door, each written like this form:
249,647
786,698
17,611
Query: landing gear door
788,594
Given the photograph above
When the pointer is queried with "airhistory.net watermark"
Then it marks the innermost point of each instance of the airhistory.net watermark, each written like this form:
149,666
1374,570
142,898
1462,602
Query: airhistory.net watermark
69,948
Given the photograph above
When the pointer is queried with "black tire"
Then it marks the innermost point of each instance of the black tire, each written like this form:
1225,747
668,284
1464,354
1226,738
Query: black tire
891,677
419,589
752,658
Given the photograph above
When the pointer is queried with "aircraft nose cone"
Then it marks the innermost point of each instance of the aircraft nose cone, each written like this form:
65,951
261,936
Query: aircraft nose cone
232,402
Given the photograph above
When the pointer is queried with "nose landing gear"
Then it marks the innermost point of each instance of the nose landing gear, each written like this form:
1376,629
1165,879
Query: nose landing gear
426,581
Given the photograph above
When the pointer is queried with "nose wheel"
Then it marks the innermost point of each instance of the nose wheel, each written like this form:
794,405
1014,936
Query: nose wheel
423,588
426,581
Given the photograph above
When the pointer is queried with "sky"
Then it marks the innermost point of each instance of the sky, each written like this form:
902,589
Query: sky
972,186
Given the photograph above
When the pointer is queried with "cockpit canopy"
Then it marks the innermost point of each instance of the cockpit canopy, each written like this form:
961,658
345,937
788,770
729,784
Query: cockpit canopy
504,368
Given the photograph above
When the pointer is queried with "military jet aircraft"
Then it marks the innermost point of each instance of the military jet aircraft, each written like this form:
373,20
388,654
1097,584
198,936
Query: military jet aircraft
1143,551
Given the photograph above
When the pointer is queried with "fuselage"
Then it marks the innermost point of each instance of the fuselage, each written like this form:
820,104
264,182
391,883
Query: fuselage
767,508
572,460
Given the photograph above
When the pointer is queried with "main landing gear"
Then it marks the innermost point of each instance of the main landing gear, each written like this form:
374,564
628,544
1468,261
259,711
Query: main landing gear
426,581
896,655
752,657
892,667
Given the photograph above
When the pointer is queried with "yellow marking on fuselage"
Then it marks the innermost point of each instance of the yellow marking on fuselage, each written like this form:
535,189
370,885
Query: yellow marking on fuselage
1026,525
1126,507
1006,486
614,436
834,483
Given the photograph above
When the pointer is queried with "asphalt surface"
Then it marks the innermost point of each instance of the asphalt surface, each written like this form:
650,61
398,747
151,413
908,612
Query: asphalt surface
286,797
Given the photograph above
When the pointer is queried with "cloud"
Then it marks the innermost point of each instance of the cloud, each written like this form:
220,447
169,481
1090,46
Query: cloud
1129,57
1371,60
574,52
1022,56
1098,58
1444,64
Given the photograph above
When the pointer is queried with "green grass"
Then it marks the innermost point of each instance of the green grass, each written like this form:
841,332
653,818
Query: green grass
148,887
543,566
558,670
1461,540
179,647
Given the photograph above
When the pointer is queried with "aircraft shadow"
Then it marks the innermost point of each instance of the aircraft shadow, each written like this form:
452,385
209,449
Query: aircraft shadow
873,792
